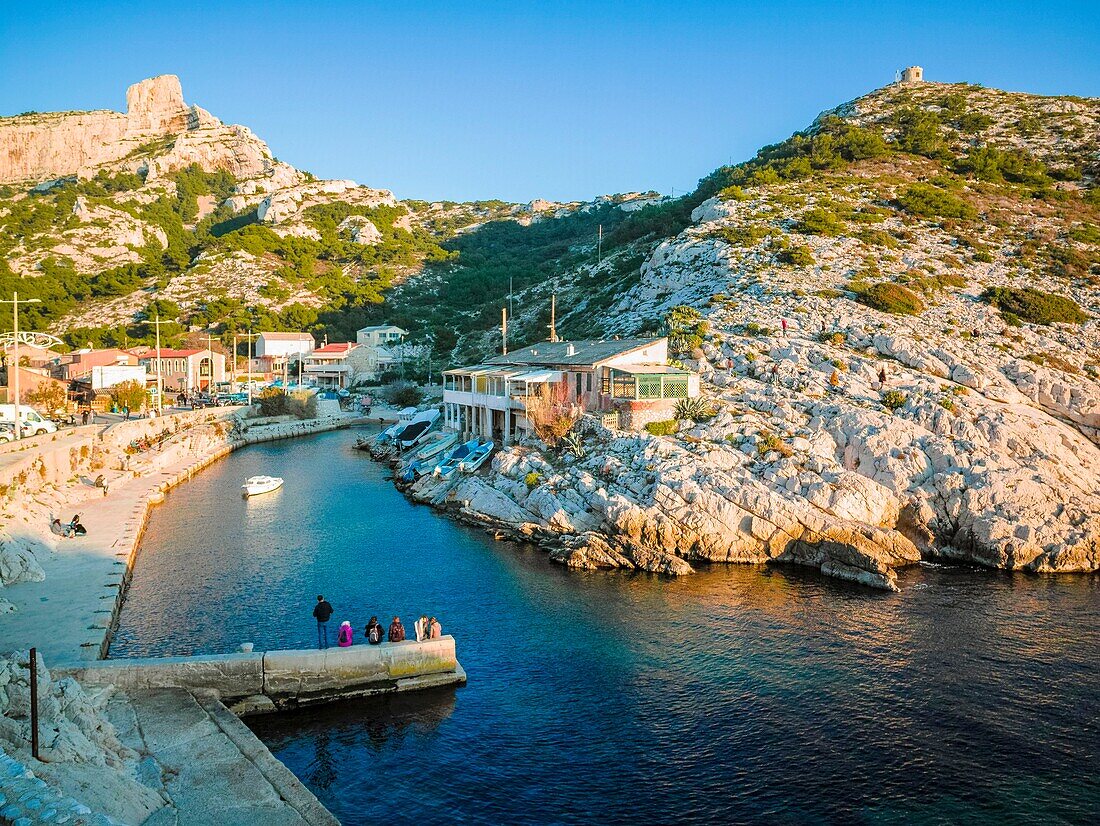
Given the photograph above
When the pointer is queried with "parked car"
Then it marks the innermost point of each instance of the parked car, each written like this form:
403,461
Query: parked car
7,432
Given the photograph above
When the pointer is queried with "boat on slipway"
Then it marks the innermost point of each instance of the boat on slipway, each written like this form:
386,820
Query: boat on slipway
476,457
426,457
416,430
256,485
404,417
447,468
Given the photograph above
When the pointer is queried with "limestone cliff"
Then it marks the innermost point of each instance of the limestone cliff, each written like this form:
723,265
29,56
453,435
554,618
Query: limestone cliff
39,147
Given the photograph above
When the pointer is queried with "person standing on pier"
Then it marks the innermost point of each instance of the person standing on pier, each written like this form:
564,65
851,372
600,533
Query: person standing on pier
322,612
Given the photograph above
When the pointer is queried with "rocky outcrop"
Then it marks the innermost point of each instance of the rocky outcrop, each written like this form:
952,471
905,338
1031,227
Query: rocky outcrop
81,752
36,147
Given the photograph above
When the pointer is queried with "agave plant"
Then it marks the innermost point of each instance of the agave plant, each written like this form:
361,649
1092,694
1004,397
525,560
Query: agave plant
573,442
697,409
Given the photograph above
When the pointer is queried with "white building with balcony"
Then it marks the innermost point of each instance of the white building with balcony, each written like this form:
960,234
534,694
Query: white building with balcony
626,379
382,335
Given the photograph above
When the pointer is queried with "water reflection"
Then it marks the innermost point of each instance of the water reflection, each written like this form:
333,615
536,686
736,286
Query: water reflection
741,693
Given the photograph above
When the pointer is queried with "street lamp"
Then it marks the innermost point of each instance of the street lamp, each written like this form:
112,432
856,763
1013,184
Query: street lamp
15,302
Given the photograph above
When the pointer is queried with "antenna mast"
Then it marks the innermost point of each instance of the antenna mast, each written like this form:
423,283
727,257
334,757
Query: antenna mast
553,311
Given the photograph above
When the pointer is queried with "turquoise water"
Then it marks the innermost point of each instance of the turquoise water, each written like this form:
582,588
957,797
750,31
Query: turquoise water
739,694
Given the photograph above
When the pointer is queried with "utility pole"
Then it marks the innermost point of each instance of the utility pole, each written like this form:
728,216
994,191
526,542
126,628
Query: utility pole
250,367
156,322
504,329
599,247
14,386
210,350
511,306
553,313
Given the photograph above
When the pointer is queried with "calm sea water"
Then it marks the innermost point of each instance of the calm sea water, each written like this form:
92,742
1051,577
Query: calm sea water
737,695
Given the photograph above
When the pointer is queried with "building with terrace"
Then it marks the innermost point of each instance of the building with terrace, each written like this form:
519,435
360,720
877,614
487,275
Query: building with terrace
627,382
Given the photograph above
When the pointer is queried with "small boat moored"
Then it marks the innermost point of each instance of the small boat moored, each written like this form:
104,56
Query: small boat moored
255,485
446,468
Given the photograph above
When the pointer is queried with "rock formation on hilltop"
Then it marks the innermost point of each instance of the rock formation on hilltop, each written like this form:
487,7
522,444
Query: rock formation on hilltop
36,147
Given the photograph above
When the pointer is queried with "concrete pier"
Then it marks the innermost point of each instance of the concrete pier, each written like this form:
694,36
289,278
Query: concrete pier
286,678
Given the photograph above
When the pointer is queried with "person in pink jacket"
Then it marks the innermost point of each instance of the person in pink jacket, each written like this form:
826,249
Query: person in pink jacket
343,637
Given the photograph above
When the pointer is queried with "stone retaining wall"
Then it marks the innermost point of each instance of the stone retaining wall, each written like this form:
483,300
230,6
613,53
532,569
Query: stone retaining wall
287,678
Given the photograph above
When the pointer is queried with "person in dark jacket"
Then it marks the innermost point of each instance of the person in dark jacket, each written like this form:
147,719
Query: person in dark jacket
397,630
322,611
375,633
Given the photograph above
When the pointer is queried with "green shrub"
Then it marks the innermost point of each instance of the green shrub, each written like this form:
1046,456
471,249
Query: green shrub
1035,306
928,201
686,328
1085,233
918,131
403,394
275,402
696,408
532,480
745,236
894,400
665,428
798,256
890,298
820,221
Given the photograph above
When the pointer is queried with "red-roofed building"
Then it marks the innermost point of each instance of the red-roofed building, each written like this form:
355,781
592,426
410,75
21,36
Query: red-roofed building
187,370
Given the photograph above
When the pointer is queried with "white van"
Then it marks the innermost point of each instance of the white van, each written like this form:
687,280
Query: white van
33,423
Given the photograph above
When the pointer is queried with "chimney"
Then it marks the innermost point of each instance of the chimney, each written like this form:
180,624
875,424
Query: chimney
570,350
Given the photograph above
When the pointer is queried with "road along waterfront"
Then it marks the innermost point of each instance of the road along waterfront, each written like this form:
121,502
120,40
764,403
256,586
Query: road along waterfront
740,693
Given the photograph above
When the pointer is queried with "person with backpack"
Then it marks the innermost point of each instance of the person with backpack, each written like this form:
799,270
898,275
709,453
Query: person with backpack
322,612
397,630
344,635
375,632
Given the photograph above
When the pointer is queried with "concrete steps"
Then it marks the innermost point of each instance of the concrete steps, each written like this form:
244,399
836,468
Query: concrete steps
214,770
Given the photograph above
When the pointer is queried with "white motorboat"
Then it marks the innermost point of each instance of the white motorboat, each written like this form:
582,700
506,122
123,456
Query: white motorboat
255,485
476,457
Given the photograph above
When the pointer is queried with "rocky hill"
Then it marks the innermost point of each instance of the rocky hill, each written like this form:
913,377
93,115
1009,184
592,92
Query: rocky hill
895,315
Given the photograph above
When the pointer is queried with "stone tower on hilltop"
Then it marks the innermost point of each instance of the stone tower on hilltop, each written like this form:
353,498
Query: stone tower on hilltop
912,74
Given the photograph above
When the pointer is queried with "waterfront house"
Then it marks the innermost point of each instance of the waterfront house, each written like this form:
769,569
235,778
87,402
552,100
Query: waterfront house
188,370
627,382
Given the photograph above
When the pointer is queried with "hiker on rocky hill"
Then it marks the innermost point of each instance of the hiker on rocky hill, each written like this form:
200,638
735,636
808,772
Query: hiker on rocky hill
882,376
322,612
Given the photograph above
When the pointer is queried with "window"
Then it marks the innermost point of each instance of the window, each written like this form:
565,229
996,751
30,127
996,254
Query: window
675,387
649,387
578,375
622,386
605,382
587,382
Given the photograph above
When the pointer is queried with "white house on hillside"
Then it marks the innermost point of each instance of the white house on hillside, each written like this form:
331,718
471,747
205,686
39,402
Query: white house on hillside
383,335
284,344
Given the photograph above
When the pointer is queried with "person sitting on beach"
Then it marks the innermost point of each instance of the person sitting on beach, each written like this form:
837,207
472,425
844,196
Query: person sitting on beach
344,635
76,528
435,630
375,632
421,628
397,630
61,530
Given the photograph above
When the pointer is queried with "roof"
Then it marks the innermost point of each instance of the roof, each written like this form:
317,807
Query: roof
165,353
379,327
650,370
584,352
287,336
334,349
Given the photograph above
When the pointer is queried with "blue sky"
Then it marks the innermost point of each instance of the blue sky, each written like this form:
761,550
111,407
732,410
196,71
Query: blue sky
519,100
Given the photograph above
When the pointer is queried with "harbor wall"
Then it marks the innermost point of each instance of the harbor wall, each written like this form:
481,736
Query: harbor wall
287,678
